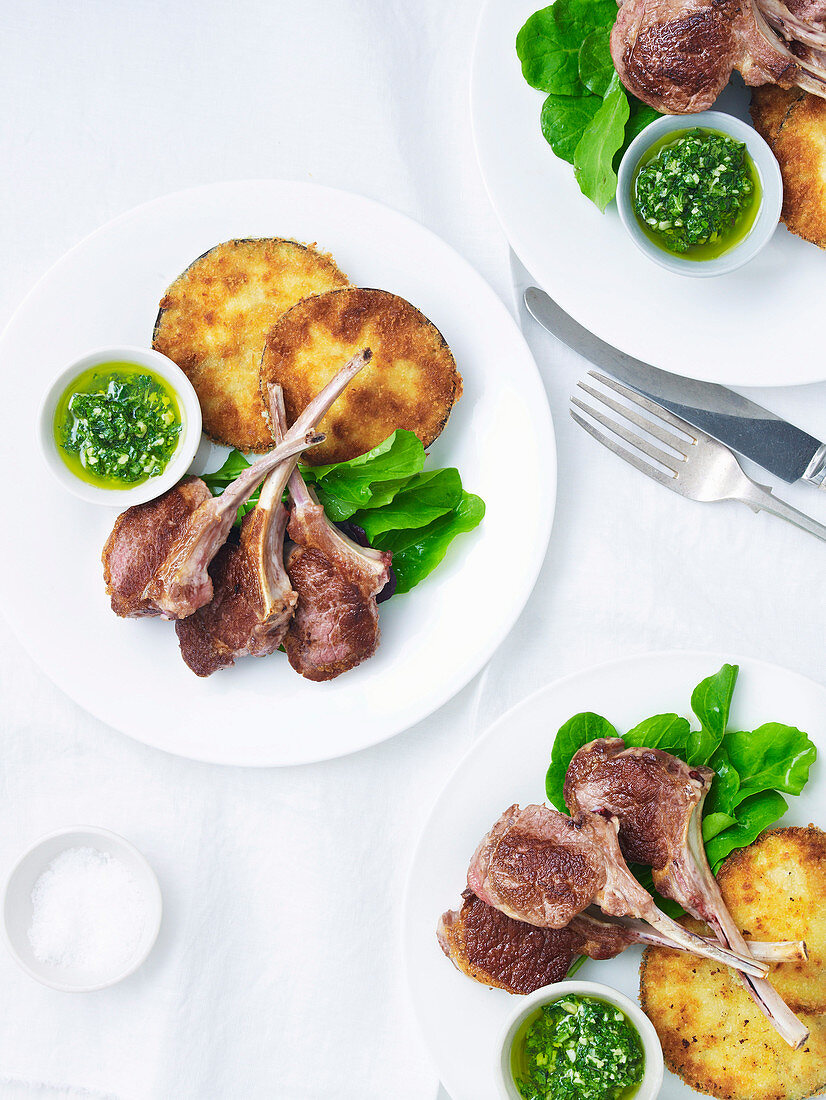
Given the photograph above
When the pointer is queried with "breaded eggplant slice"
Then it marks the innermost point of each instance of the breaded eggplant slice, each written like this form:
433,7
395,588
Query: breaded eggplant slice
410,382
716,1039
779,884
214,318
794,125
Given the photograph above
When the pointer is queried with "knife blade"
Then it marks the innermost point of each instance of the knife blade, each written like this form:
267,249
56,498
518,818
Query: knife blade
746,427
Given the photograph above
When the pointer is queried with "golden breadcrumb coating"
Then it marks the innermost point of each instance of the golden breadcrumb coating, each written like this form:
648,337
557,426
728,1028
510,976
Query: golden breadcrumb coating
776,890
214,318
410,382
794,124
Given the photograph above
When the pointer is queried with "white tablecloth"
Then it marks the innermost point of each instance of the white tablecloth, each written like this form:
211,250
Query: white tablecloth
277,973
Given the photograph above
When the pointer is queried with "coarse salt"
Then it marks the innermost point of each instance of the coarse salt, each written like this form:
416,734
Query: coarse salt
88,912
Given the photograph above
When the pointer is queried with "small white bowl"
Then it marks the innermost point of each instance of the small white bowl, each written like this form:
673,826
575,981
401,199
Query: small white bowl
181,458
652,1079
771,182
17,906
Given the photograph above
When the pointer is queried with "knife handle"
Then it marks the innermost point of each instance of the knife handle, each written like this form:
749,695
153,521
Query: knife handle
815,472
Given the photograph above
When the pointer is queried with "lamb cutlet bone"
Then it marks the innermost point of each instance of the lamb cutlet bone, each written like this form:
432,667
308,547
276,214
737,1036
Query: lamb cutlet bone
182,584
539,866
497,950
657,800
253,600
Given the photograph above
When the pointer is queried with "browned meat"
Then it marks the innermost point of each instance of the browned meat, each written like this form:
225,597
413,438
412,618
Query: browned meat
497,950
336,623
539,866
179,582
657,800
253,600
335,626
139,542
678,55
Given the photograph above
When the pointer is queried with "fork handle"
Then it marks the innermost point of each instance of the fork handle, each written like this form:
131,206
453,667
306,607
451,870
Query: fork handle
761,499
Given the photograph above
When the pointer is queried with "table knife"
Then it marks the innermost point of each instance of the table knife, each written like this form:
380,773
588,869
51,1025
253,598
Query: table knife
741,424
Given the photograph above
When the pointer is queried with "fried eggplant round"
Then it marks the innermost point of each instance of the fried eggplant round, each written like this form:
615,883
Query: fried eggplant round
716,1039
214,318
776,890
794,125
410,382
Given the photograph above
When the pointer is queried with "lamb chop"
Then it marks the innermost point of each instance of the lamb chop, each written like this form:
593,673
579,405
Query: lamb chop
678,55
180,583
539,866
657,801
498,951
336,622
253,600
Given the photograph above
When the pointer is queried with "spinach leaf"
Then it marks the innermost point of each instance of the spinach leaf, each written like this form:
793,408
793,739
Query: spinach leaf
423,498
724,786
668,732
234,464
417,552
715,823
565,119
575,733
640,115
548,44
711,702
595,65
773,757
603,136
753,816
370,480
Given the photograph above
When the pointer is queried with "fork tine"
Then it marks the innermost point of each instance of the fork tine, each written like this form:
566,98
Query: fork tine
651,427
649,405
634,460
669,461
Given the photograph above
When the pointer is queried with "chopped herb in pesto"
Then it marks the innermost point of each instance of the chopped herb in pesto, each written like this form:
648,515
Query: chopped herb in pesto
577,1048
118,425
696,191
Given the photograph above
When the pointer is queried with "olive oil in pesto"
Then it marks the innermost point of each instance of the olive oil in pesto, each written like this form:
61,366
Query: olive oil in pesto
696,193
577,1048
117,424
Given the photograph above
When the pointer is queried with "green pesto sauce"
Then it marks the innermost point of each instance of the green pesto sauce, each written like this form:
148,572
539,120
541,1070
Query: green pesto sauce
697,193
117,425
577,1048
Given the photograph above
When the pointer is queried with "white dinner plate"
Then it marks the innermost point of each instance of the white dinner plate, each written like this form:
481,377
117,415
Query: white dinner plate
129,673
459,1018
759,326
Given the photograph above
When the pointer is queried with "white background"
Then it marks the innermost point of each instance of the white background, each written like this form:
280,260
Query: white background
277,971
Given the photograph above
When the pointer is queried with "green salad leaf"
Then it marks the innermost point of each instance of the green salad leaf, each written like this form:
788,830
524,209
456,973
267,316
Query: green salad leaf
753,770
602,137
588,118
565,119
418,550
548,44
412,512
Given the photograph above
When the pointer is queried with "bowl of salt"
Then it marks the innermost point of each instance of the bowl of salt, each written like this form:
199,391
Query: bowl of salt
82,909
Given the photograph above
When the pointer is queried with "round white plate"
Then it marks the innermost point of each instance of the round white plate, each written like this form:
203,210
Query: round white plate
734,329
129,673
461,1019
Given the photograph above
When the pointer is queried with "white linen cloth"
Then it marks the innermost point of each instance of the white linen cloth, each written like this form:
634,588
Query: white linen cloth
277,972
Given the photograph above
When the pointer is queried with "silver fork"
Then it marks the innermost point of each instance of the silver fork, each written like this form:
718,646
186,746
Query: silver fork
700,468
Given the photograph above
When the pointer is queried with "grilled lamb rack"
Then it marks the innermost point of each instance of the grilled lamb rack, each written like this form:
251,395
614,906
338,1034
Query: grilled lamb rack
336,622
179,582
539,866
678,55
497,950
657,801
